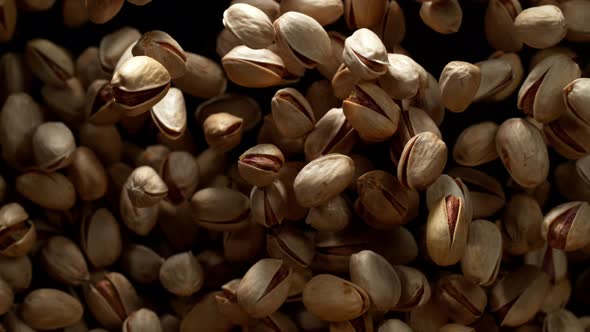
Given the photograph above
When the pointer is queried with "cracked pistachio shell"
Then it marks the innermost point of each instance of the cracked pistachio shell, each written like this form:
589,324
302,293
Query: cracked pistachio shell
264,287
363,14
323,179
462,300
250,25
540,95
459,82
323,11
521,222
562,320
568,135
334,299
342,82
254,68
331,134
97,229
180,173
242,106
541,26
9,10
50,62
48,309
412,122
292,113
269,134
17,232
220,208
383,202
371,112
543,54
145,187
204,78
17,272
576,18
552,261
260,165
163,48
476,144
446,185
113,46
499,25
99,104
102,11
291,245
373,273
223,131
140,220
577,98
169,114
483,253
402,78
139,84
295,32
269,204
104,141
51,191
181,274
365,55
422,161
518,296
141,263
443,17
88,175
501,75
111,298
398,245
415,288
143,320
63,261
523,152
566,226
447,229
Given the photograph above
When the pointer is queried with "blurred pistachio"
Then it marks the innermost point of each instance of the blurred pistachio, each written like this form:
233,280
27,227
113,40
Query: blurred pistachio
88,67
181,274
17,232
9,11
204,314
427,318
245,244
104,141
180,173
140,220
87,175
415,288
50,62
442,16
333,216
142,320
223,131
320,96
6,297
203,78
51,191
74,13
17,272
290,245
102,11
15,74
564,226
558,296
520,225
562,320
53,146
141,263
113,45
241,106
578,29
363,14
392,28
47,309
64,262
463,301
100,108
96,229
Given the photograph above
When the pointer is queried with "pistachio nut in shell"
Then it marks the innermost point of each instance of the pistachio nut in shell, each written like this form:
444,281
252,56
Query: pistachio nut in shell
139,84
140,220
142,320
182,274
250,25
269,204
204,78
322,179
459,82
523,152
88,175
223,131
6,298
325,12
205,313
422,161
499,25
145,187
17,272
373,273
442,16
521,222
483,253
365,55
100,108
141,263
540,95
47,309
363,14
334,299
566,225
552,261
254,68
291,245
402,79
576,98
541,26
462,300
239,105
562,320
96,230
162,47
371,112
264,288
17,232
576,18
63,261
220,208
476,144
113,45
50,62
260,165
169,114
292,113
392,28
332,216
50,191
415,288
180,172
102,11
331,134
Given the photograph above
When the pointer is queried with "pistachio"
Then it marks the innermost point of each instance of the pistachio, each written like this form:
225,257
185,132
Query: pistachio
459,82
520,225
564,226
140,220
7,298
287,176
392,28
74,13
523,152
540,94
203,77
104,141
87,175
260,165
574,13
402,79
442,16
331,134
269,134
343,82
64,262
562,320
323,179
17,232
145,187
53,146
225,42
292,113
415,288
499,25
429,98
333,250
412,122
568,135
204,314
250,25
476,144
264,288
17,272
501,75
67,102
223,131
541,26
254,68
422,161
269,204
96,229
47,309
141,263
552,261
574,95
290,245
398,245
88,67
325,12
163,48
48,61
334,299
360,14
142,320
180,173
113,46
51,191
428,317
241,106
102,11
371,112
463,301
321,98
394,325
483,253
517,297
220,208
244,244
15,74
365,55
169,114
111,299
140,83
377,277
333,216
456,328
182,274
100,108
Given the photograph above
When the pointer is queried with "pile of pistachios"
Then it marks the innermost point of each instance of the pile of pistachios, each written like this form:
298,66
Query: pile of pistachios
339,204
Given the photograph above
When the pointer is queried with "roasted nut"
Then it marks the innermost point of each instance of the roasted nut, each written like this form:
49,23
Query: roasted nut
64,262
220,208
541,26
422,161
565,225
48,309
17,232
182,274
260,165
